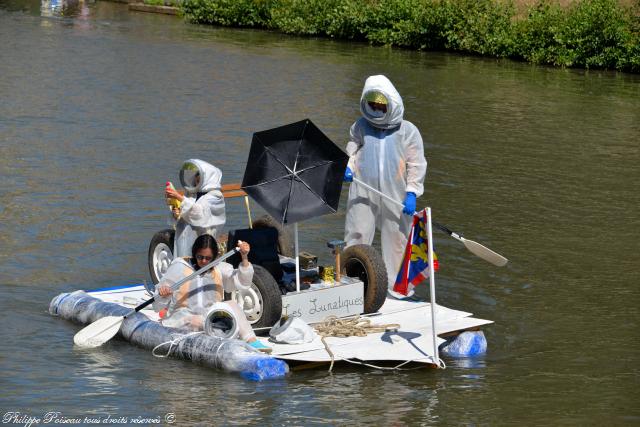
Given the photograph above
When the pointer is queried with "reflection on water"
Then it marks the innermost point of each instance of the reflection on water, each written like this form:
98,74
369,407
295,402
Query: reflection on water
469,370
63,8
100,106
100,369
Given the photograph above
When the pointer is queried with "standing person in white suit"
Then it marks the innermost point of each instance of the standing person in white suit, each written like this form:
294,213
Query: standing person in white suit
387,153
202,209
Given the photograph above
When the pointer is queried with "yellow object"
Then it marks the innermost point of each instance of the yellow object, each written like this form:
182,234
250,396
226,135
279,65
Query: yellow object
172,203
327,274
376,97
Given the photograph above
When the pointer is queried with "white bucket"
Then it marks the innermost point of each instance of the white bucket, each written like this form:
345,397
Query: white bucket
221,322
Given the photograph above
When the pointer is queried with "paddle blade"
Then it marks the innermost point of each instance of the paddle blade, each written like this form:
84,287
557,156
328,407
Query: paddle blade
99,332
484,252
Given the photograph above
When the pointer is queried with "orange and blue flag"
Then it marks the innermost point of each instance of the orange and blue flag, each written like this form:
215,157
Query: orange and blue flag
415,264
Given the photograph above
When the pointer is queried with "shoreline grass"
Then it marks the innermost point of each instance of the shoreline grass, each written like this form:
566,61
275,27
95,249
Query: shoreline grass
599,34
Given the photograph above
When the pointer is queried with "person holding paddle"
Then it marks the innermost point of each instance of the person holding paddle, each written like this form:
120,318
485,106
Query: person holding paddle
187,306
385,152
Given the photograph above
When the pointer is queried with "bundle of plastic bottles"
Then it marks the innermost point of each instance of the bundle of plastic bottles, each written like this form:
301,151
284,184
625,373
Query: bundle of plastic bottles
232,355
467,344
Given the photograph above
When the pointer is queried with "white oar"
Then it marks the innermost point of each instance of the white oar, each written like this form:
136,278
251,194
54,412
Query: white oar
473,247
102,330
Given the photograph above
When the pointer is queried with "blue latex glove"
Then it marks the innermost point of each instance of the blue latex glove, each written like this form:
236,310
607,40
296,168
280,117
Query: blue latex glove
409,203
348,175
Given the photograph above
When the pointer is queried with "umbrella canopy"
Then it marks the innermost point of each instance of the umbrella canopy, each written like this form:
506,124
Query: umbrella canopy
295,172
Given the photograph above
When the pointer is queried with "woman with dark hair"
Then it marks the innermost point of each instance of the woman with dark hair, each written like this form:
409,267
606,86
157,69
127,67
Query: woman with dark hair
187,306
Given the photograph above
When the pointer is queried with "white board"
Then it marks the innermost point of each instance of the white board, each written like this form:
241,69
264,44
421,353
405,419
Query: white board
315,305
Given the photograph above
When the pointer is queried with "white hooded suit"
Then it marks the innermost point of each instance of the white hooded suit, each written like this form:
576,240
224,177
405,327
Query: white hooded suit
203,209
387,153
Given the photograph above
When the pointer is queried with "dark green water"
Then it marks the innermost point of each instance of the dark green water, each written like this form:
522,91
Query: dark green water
99,106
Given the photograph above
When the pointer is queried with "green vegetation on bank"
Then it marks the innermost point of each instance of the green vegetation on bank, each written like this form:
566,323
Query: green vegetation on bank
590,33
154,2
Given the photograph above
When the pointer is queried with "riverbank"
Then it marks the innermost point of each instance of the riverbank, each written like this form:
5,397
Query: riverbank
154,8
601,34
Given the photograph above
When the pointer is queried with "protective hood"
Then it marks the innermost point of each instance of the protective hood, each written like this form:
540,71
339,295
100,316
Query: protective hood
375,86
198,176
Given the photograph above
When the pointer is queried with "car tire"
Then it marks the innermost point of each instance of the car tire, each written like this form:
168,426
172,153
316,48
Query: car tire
365,263
262,303
160,253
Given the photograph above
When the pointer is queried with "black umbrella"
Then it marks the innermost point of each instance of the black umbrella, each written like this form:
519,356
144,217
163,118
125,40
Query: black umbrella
295,172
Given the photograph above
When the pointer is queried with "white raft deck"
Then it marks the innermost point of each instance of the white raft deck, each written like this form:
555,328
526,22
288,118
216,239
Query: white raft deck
412,342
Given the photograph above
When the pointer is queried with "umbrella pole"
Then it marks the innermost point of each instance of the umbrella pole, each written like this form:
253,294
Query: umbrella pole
246,203
295,234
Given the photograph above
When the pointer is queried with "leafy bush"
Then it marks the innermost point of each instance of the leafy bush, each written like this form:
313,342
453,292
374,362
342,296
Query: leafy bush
301,16
235,13
598,32
590,33
539,36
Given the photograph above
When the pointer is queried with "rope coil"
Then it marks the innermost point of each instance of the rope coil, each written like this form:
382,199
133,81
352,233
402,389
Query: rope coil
356,326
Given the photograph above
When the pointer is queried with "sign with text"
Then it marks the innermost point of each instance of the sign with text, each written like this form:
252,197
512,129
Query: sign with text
314,305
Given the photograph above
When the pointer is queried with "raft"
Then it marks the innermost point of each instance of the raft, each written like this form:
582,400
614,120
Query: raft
458,335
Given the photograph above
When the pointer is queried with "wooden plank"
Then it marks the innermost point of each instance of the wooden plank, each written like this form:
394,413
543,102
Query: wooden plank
229,187
309,365
234,193
230,191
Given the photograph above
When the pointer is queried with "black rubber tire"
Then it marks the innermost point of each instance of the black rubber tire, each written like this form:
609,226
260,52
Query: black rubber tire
271,298
365,263
285,240
164,237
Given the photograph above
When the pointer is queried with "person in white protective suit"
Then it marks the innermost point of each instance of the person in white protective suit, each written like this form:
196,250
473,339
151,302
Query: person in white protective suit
387,153
187,306
202,209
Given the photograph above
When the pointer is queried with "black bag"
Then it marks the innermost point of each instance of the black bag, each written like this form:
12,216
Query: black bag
264,249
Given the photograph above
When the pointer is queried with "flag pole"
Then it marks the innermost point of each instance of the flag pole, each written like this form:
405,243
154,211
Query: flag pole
295,233
432,287
410,242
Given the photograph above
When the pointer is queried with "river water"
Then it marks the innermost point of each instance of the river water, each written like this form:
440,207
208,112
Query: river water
99,107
